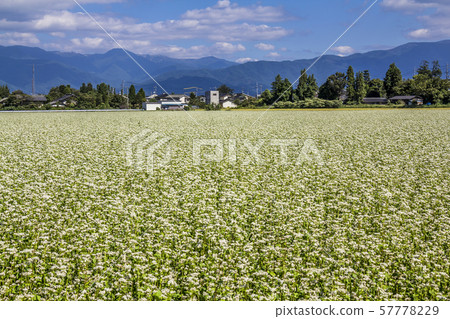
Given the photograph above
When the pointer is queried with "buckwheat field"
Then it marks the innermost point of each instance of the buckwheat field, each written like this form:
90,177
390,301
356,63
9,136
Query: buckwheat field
355,207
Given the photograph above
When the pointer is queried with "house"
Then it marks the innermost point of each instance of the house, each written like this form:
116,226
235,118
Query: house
408,99
212,97
151,97
62,101
181,98
242,97
375,100
225,97
163,105
228,104
37,99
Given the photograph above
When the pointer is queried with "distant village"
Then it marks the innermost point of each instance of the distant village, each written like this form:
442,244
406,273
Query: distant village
173,102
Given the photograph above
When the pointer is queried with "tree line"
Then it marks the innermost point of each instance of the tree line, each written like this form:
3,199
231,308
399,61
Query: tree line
88,96
352,88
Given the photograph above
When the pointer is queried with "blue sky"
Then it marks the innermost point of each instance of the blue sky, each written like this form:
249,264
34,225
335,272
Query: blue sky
237,30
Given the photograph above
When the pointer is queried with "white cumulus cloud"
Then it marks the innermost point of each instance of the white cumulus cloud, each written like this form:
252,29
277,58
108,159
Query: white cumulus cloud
433,14
228,12
265,47
343,50
89,43
245,60
18,38
273,55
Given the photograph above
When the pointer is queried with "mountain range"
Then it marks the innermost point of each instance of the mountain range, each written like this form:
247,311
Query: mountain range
174,75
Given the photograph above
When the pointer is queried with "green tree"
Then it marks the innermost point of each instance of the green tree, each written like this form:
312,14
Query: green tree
132,95
351,94
312,87
375,88
4,91
83,88
334,87
367,77
140,97
117,101
277,87
436,72
424,69
281,89
360,88
58,92
225,90
87,100
302,86
432,90
392,80
287,91
103,90
267,97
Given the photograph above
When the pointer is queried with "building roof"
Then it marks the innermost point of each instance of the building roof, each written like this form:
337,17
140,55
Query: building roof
38,98
62,99
172,103
171,96
375,99
243,94
405,97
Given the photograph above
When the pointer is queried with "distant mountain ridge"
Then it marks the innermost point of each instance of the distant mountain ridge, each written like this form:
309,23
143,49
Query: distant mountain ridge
407,57
114,66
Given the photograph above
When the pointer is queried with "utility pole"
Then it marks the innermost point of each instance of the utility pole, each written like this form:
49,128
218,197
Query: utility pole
33,92
123,87
446,73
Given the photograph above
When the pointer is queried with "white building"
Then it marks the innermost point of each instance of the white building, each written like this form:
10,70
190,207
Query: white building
151,106
212,97
229,104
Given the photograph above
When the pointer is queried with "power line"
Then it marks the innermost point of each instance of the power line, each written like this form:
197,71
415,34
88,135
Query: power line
317,60
130,56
